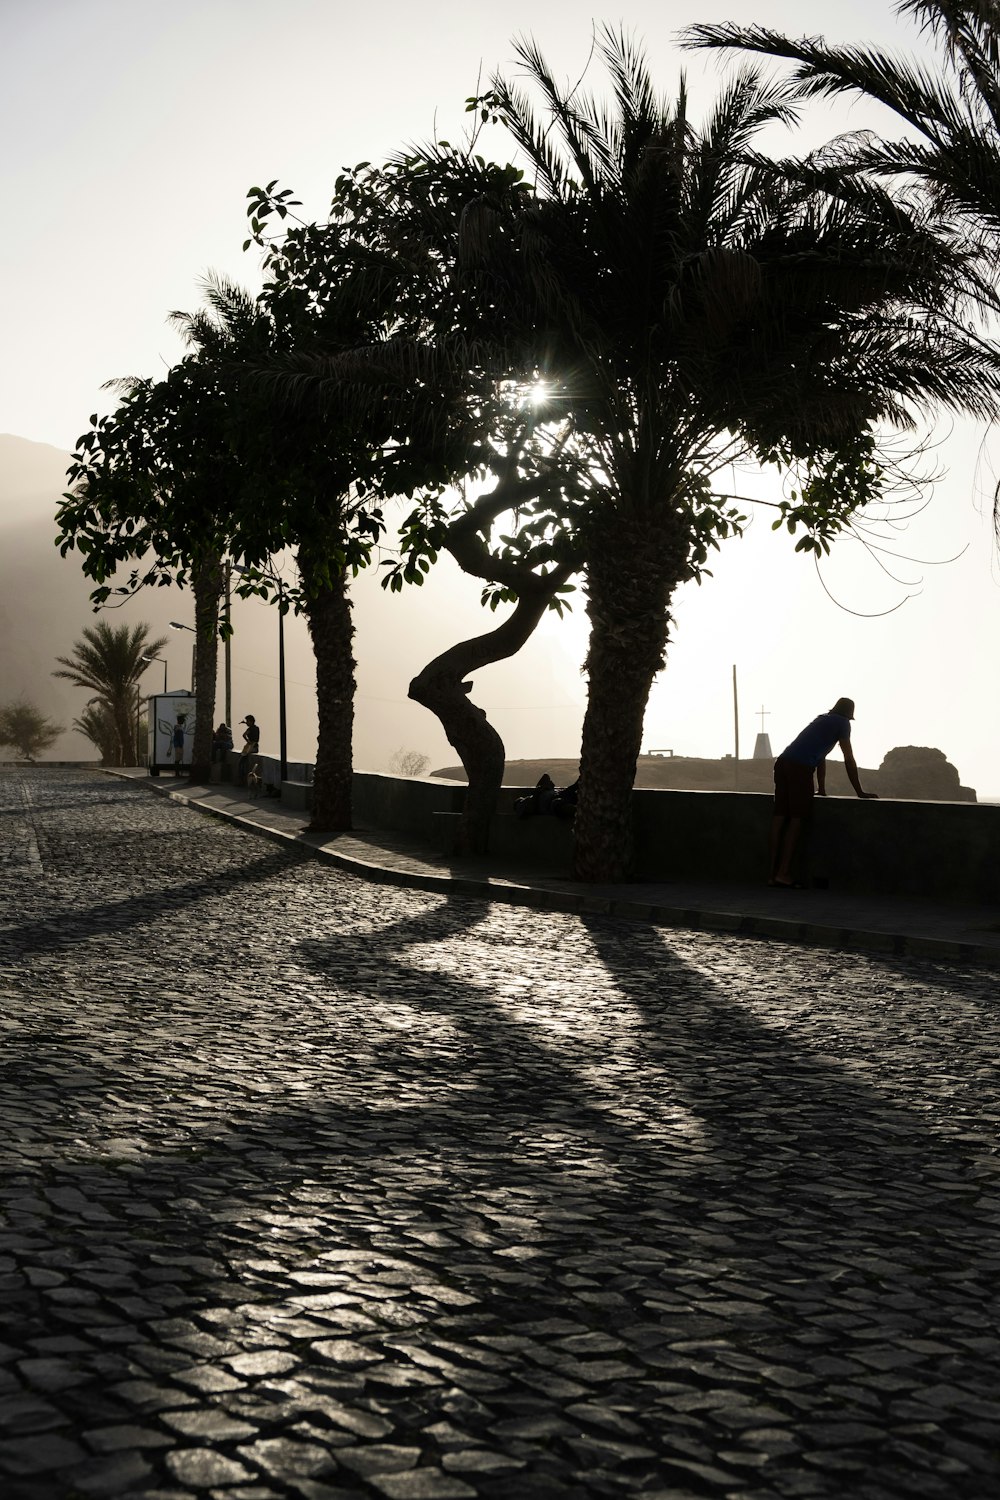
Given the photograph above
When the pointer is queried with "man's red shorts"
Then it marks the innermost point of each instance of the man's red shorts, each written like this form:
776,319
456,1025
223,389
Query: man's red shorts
793,789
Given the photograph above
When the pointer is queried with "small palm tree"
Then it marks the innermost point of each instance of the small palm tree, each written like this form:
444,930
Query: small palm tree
97,724
108,662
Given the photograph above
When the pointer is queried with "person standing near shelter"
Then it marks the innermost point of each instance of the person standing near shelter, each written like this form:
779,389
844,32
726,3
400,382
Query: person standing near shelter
794,770
177,742
251,746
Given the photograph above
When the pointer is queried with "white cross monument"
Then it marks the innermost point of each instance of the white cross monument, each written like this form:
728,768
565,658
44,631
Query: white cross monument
762,748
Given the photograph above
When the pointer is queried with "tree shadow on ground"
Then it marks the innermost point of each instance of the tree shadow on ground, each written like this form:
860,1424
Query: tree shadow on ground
623,1230
120,918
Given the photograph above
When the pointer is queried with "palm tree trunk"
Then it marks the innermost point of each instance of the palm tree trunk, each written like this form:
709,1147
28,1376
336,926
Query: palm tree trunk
328,614
629,586
122,718
207,583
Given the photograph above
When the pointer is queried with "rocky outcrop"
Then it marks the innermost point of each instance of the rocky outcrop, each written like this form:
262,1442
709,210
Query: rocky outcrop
922,774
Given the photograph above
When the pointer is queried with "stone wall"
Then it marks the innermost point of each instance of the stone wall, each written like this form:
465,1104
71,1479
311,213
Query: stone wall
945,850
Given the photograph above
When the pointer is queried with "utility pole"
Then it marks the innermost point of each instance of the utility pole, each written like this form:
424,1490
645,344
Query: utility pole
282,721
227,647
736,733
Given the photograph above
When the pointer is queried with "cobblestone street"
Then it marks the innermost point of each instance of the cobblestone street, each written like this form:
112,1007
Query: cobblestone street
320,1188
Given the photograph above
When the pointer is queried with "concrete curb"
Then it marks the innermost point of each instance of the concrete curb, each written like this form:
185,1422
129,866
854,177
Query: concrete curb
583,903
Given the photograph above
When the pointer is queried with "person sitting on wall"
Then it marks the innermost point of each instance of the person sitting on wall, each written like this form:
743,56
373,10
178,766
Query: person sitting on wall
794,770
222,742
251,746
565,800
537,801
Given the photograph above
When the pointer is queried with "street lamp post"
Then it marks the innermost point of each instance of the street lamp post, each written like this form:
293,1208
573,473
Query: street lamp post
164,661
176,625
228,645
282,720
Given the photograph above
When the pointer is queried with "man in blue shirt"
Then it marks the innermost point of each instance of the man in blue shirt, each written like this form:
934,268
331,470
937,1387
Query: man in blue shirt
794,770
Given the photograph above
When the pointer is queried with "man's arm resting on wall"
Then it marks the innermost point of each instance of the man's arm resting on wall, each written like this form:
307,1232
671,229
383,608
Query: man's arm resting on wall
851,766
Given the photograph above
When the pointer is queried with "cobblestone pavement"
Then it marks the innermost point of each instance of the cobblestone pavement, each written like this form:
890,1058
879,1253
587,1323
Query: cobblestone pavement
318,1188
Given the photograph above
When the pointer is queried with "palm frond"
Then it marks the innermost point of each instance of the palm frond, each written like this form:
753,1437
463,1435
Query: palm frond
639,108
588,151
909,90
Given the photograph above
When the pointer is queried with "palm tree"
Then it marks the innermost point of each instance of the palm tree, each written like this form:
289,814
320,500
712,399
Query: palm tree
108,662
689,306
954,147
96,723
298,468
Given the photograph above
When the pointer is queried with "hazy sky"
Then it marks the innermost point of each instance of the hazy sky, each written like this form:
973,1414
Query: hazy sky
133,130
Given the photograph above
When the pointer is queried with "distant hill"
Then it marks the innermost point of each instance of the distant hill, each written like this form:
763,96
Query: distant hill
910,772
43,598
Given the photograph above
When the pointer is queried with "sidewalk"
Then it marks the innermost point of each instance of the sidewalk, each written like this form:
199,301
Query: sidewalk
889,925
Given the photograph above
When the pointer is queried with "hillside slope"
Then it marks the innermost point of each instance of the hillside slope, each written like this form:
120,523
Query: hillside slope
682,773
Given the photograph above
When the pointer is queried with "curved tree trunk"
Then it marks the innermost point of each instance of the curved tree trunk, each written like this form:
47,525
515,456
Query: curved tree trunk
328,614
207,583
442,688
629,586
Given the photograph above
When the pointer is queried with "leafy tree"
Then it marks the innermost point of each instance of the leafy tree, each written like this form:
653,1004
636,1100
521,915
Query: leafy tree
450,415
149,482
28,730
530,570
205,462
408,763
690,306
108,662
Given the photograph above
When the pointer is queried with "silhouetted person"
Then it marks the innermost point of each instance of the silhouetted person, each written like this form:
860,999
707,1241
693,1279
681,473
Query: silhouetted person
794,770
251,745
539,800
222,742
564,803
177,743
